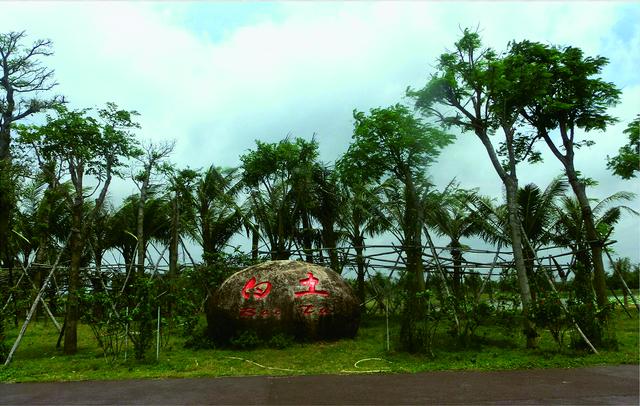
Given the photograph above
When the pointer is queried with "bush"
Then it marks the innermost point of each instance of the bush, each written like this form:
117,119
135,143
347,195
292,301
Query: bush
246,340
280,341
548,313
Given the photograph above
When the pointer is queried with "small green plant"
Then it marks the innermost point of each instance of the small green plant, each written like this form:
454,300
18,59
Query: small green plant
547,312
280,341
246,340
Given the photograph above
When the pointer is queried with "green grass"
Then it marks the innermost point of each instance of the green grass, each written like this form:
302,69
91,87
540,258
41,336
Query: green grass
496,348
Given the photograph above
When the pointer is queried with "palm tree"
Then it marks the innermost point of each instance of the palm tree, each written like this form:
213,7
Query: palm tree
360,214
570,232
278,179
452,217
124,222
218,215
327,201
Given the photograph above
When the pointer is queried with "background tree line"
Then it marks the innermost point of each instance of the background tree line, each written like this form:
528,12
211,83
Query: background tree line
55,209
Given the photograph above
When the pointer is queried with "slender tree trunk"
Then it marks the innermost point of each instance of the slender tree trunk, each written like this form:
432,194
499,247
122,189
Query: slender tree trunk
456,255
255,242
306,237
510,182
329,242
205,231
76,246
175,236
358,243
595,244
530,265
6,182
413,338
142,244
566,159
518,258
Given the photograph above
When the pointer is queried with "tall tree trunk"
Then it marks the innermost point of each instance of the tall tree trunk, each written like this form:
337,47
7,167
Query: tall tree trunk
76,246
6,182
518,258
142,244
175,237
358,243
413,338
255,242
529,263
510,181
456,256
7,205
306,237
599,278
599,275
205,231
329,242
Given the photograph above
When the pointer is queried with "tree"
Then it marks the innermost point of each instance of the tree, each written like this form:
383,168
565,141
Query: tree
627,163
84,146
278,176
392,143
218,215
569,227
326,209
182,220
475,90
360,214
21,74
152,159
572,98
452,217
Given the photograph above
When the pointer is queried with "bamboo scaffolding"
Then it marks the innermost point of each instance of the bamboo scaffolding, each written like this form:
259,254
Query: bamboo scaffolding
35,305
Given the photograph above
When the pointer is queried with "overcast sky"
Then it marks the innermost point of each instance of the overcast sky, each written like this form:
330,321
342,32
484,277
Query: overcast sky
217,76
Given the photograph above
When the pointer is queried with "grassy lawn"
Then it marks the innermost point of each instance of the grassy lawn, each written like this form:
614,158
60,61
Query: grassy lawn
37,359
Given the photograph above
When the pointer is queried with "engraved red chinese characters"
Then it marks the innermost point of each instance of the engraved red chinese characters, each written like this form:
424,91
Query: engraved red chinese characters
259,291
311,282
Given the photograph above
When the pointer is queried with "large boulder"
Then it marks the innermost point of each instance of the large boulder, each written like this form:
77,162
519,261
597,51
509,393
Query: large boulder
297,298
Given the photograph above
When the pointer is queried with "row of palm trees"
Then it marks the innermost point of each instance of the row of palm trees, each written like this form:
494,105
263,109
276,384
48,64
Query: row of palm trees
305,206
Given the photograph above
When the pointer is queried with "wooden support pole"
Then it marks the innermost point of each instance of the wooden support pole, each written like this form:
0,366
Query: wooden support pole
444,280
484,282
633,298
44,304
34,305
620,302
158,337
553,286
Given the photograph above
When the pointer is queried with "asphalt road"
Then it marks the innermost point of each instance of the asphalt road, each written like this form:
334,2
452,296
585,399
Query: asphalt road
596,385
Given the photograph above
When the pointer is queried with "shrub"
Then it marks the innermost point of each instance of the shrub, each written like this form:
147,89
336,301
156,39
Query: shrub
246,340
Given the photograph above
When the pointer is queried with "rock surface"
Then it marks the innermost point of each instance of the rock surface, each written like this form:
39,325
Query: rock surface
304,300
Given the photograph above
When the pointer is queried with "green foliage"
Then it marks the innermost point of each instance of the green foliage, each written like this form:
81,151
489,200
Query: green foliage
280,341
107,321
391,142
547,312
630,273
627,163
245,340
594,322
218,215
141,317
279,177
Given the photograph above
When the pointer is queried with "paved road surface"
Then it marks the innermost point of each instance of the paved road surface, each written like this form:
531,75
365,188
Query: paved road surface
596,385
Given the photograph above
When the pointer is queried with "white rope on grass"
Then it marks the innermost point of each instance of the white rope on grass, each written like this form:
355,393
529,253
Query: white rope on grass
263,366
367,371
